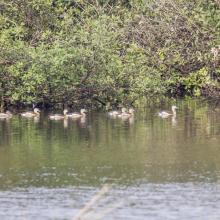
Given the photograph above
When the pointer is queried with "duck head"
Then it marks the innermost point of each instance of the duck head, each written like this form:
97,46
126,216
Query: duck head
37,111
83,111
65,111
174,107
123,110
131,111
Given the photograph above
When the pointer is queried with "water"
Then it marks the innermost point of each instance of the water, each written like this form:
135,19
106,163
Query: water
155,168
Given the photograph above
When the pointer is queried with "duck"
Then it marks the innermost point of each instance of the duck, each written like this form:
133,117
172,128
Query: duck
59,116
7,114
80,114
164,114
116,112
128,114
30,114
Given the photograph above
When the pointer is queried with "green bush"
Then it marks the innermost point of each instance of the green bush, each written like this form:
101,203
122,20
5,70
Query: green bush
96,52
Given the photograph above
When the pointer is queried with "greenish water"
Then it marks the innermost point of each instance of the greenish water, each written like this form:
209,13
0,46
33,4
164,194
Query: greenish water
158,168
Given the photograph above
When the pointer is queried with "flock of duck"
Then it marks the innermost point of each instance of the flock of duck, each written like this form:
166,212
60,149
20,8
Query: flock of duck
123,113
36,113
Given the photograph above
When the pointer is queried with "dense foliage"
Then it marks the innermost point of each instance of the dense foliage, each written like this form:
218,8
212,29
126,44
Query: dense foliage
107,51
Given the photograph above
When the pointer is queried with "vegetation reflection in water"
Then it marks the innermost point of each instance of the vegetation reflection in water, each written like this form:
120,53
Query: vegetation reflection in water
103,150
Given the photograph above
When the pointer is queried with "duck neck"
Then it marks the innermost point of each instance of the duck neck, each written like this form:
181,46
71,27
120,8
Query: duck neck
37,113
174,112
83,114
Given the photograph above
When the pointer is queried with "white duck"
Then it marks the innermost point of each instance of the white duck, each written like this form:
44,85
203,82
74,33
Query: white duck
59,116
80,114
164,114
128,114
30,114
7,114
116,112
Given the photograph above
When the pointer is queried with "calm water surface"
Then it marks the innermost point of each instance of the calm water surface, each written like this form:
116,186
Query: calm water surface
155,168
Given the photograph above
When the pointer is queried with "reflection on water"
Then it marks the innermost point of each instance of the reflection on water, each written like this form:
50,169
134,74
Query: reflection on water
169,162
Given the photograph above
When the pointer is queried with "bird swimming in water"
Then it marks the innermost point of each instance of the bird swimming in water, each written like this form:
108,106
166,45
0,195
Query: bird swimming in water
59,116
7,114
80,114
164,114
128,114
116,112
30,114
